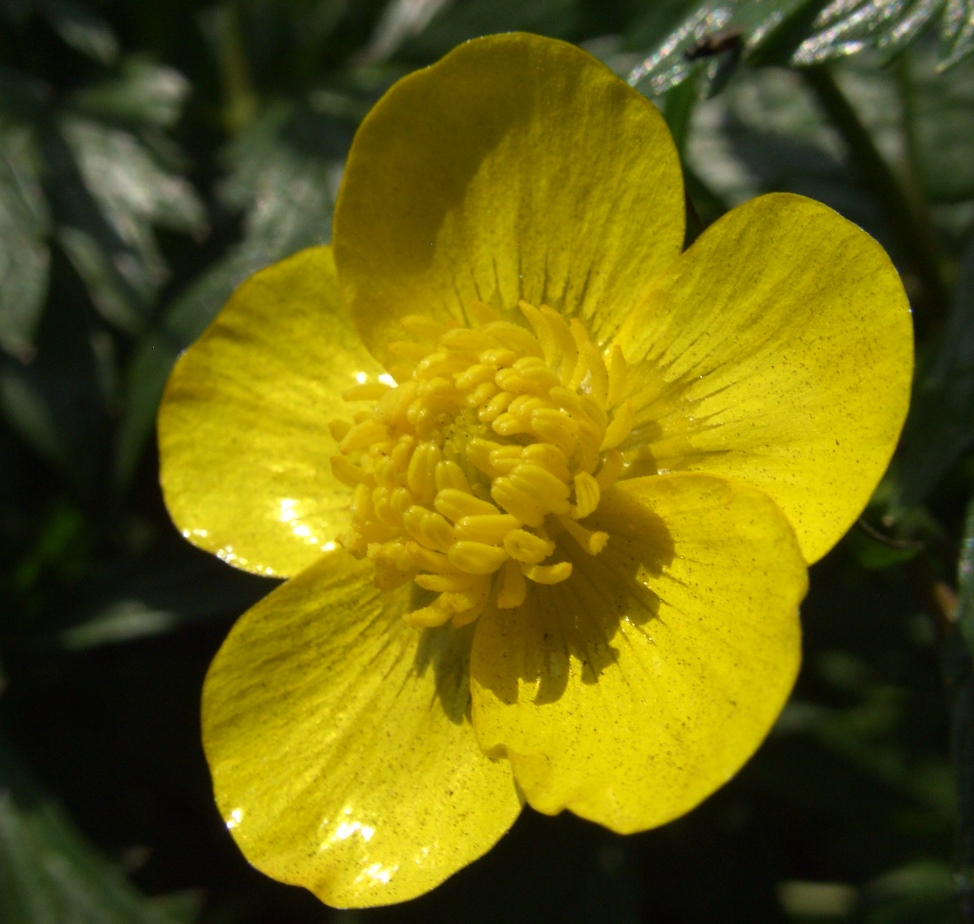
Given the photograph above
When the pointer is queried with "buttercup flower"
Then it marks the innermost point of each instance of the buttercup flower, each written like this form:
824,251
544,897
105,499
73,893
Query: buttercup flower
545,489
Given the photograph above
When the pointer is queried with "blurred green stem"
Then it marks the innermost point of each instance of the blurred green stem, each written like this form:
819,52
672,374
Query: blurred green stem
958,666
907,222
240,99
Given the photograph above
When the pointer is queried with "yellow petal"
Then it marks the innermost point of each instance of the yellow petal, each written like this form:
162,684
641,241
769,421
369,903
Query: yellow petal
243,427
516,167
633,690
779,352
338,737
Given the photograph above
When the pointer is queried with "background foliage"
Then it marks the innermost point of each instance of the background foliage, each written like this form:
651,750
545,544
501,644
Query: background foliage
152,155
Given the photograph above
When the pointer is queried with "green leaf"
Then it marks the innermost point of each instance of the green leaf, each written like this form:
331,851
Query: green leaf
941,422
958,669
956,33
106,191
81,28
875,551
284,174
939,107
140,93
168,589
57,399
846,28
711,31
921,892
48,873
764,132
799,33
24,223
457,22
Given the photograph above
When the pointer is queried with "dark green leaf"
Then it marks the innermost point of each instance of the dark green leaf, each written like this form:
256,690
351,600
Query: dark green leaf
140,93
24,256
25,408
921,892
941,422
766,132
677,106
48,873
57,399
875,551
958,669
956,32
284,174
845,28
106,191
458,22
798,32
940,122
170,588
709,33
81,28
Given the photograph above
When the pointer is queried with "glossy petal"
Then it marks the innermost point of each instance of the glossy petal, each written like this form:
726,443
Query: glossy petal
633,690
516,167
243,427
778,352
342,756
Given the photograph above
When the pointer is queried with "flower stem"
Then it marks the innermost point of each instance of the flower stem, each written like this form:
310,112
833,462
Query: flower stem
908,223
241,100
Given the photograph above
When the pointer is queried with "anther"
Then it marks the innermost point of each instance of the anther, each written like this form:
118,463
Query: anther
467,453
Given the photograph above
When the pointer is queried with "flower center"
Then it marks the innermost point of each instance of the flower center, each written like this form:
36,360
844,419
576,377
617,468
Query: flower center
490,450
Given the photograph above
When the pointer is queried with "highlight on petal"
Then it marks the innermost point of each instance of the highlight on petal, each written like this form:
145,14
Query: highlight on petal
631,692
338,737
243,426
517,167
779,352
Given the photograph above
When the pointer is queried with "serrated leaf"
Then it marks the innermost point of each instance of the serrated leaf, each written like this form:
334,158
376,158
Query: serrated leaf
400,20
846,27
284,173
457,22
106,192
707,33
941,422
81,28
799,32
956,33
140,93
56,399
172,587
48,873
940,123
24,407
24,257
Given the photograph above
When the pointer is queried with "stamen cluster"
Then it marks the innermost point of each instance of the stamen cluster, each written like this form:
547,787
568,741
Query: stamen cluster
490,448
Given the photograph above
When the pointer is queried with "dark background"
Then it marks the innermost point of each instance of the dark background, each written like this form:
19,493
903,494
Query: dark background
152,155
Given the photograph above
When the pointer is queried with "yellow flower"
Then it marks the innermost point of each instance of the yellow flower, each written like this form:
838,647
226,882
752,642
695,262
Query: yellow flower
544,488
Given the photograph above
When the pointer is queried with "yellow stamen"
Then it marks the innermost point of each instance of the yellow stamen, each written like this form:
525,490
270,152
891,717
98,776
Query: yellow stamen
527,547
587,495
491,528
513,586
548,574
486,432
592,541
476,557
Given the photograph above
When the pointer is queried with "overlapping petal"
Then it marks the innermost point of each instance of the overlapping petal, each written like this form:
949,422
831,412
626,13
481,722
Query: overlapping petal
516,167
340,745
632,691
243,426
778,351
